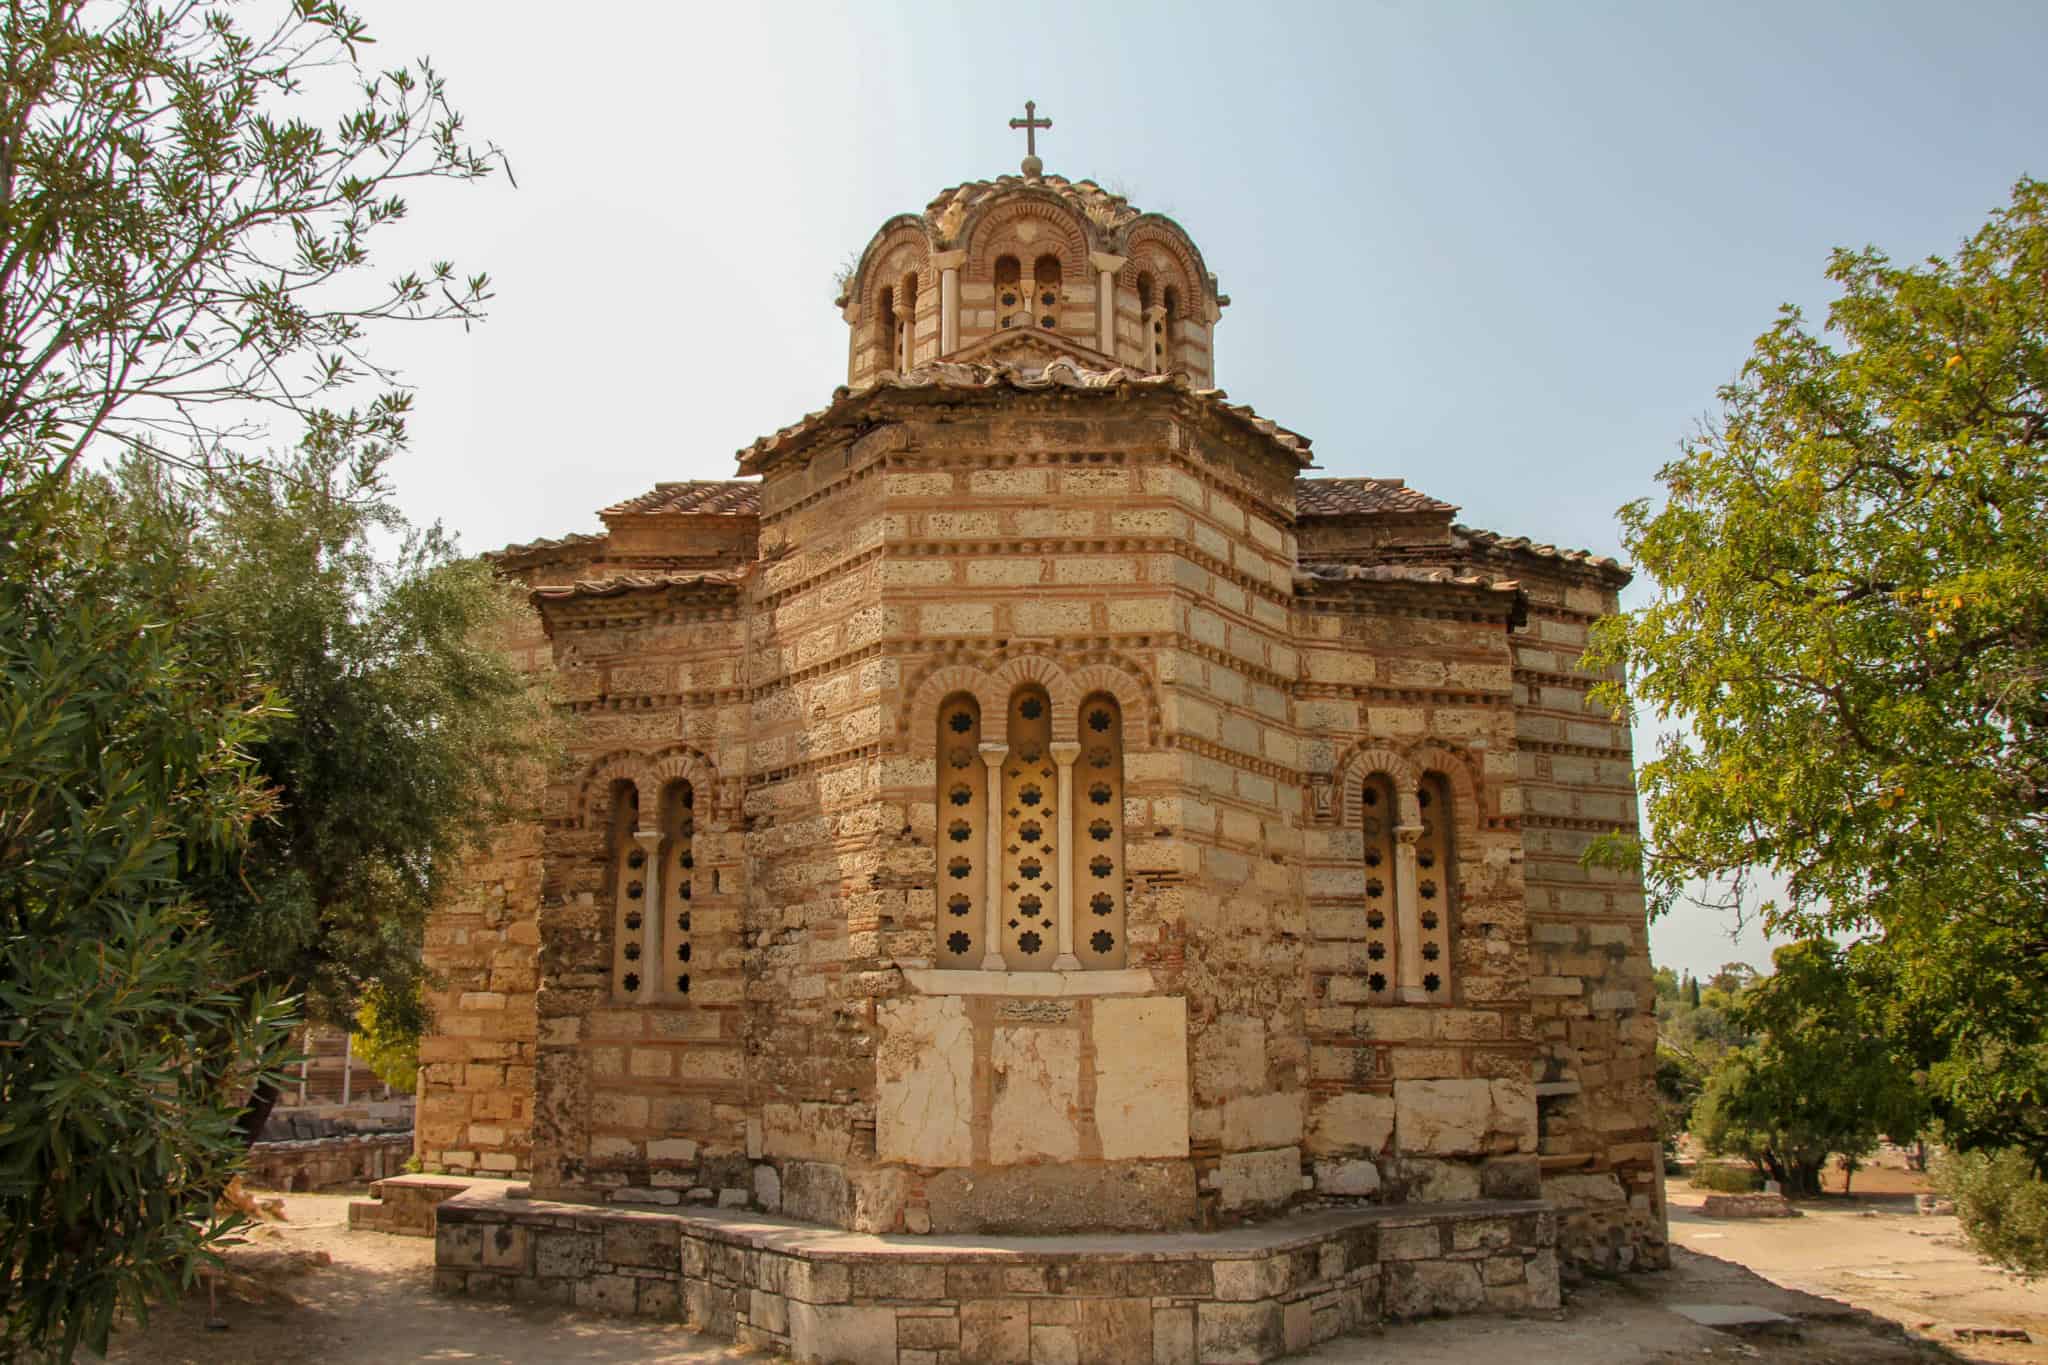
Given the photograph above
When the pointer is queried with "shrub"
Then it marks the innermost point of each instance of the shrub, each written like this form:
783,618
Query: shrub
2002,1205
1722,1178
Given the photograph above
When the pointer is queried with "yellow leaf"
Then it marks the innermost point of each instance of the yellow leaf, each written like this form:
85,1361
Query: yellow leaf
1953,361
1956,604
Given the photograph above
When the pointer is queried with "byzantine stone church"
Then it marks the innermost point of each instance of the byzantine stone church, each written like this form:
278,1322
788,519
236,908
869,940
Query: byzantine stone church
1027,798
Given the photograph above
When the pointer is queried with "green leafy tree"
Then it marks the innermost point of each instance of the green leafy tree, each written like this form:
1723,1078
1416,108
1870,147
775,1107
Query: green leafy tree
2002,1205
1848,652
181,262
127,1046
401,735
178,254
1818,1078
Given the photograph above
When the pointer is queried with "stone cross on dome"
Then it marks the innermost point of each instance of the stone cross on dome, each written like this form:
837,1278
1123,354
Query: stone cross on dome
1031,123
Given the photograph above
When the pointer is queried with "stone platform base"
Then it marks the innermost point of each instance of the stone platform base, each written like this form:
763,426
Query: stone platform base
404,1205
821,1294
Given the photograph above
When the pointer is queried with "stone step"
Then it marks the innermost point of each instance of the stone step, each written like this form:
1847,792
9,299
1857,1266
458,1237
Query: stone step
404,1205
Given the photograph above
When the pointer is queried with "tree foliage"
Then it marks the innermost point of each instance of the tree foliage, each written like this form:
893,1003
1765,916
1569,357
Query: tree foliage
2002,1204
126,1043
400,731
181,258
1848,651
1817,1076
177,253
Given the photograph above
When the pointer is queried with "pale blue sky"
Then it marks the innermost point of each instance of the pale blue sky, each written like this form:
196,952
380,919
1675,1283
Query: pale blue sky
1505,251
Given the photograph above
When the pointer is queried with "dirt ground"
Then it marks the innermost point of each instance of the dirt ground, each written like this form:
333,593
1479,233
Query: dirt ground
373,1303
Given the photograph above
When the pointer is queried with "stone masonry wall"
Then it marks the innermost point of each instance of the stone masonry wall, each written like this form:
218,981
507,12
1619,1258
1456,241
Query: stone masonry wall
1591,995
1432,1091
864,1301
475,1108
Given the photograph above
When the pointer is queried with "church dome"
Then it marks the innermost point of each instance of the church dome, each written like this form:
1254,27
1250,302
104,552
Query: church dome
1026,269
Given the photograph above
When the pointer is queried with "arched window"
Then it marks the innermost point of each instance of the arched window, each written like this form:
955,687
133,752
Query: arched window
962,841
1098,835
1153,310
906,324
1430,926
1028,878
629,872
1009,283
1045,290
1377,805
886,330
678,864
1169,318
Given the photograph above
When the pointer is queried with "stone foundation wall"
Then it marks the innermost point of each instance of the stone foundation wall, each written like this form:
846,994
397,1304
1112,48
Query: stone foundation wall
825,1296
334,1163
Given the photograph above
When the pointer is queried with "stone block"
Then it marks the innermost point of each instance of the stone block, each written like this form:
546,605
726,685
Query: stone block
1173,1336
617,1295
997,1331
1261,1121
1352,1123
1421,1242
894,1279
1442,1117
1115,1331
924,1082
1245,1281
567,1255
650,1245
1054,1346
506,1248
1354,1178
1037,1091
459,1246
928,1333
1424,1288
1141,1077
1248,1179
830,1335
1228,1333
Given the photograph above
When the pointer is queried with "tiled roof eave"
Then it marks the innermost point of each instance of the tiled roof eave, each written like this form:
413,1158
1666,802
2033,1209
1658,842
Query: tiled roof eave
1603,567
1058,377
621,585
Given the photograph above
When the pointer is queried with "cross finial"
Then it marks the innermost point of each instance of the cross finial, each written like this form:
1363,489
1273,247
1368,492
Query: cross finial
1031,123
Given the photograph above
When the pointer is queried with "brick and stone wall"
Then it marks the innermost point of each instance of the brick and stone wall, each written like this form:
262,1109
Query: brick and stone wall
784,649
816,1296
1591,994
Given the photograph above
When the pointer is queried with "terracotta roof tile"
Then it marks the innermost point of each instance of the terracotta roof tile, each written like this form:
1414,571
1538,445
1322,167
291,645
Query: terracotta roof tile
1362,497
545,545
699,497
1101,207
1062,375
615,585
1307,576
1493,540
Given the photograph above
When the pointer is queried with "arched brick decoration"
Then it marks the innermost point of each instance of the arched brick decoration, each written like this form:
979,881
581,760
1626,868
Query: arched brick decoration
1352,770
1465,790
1133,693
1059,689
904,227
681,762
619,765
914,722
986,233
1150,235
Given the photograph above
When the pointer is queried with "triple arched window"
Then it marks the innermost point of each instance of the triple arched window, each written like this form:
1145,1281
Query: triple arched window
1030,847
1410,887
